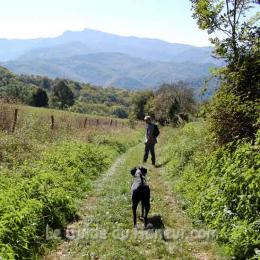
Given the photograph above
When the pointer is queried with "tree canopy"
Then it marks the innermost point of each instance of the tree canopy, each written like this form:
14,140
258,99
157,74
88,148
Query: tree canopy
233,112
62,95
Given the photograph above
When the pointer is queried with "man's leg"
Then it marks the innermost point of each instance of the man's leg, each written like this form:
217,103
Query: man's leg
152,153
146,152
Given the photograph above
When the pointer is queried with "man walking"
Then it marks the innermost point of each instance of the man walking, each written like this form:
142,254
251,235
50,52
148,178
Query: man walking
151,134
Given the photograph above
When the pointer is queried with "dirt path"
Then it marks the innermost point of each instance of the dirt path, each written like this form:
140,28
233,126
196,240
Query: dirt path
106,229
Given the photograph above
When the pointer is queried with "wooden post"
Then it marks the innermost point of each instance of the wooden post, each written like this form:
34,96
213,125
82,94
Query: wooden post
97,121
15,119
85,122
52,122
111,122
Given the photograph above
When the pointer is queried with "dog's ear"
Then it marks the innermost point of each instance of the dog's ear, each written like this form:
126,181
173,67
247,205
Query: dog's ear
133,171
143,170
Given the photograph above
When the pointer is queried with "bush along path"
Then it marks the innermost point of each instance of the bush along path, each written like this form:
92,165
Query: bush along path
106,231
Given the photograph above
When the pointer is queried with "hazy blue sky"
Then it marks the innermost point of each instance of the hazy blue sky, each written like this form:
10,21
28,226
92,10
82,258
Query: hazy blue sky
164,19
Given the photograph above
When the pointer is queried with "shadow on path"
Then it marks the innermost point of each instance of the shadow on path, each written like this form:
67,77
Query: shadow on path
156,221
161,165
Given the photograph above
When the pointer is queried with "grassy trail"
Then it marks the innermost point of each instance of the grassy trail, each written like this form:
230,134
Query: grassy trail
106,228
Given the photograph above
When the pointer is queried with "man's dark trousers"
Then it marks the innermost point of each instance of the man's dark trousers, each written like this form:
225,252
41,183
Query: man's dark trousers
149,148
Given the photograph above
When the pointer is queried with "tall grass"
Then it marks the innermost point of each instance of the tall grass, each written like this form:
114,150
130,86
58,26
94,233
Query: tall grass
33,131
218,186
6,117
45,171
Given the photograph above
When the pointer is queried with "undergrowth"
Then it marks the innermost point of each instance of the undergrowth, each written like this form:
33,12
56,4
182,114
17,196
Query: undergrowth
43,176
218,186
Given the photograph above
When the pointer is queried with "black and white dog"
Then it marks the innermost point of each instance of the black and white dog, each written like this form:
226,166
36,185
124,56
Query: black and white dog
140,192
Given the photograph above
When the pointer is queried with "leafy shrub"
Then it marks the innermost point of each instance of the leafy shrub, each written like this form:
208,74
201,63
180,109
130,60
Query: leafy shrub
120,112
6,252
230,200
46,192
231,118
15,149
220,186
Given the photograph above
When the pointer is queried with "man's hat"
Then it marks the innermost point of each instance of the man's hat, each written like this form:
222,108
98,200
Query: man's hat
147,118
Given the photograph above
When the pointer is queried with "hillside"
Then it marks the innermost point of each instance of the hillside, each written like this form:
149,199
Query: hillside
108,69
85,98
106,59
88,98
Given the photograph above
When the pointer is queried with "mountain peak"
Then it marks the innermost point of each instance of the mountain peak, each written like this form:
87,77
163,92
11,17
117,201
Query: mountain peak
103,59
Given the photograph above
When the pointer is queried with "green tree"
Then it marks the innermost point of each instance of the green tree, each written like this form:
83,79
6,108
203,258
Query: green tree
45,83
172,99
62,96
233,111
16,91
39,98
119,112
139,102
149,107
227,17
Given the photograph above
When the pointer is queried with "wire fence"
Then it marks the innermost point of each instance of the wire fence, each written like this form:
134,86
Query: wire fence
13,118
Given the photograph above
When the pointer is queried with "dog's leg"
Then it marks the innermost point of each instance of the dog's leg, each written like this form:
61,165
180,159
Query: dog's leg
147,208
134,207
142,212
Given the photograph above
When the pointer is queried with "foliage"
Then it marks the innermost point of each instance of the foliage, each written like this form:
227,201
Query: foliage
233,112
32,90
46,193
45,173
165,104
229,18
221,189
39,98
108,101
226,183
62,96
42,82
120,112
231,118
230,200
171,100
139,101
15,90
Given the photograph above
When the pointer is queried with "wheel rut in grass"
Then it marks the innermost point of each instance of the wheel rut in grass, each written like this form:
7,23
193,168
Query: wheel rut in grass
106,231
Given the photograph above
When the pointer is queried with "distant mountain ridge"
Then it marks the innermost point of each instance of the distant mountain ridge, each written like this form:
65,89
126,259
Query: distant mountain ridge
107,59
96,41
111,69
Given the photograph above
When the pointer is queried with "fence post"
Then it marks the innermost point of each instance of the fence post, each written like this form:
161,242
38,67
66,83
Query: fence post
111,122
52,122
15,119
97,121
85,122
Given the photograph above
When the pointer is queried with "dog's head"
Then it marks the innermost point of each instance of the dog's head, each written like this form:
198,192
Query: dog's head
139,170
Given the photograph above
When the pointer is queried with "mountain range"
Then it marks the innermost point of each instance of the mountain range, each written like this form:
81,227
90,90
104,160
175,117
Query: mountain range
107,60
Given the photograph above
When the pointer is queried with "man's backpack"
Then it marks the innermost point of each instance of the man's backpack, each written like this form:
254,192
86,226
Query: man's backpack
156,131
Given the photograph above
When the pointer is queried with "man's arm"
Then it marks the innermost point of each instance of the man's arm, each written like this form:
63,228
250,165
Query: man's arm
149,134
